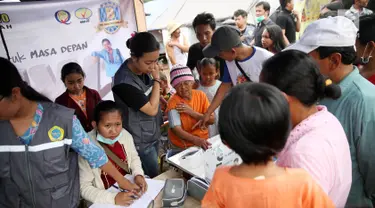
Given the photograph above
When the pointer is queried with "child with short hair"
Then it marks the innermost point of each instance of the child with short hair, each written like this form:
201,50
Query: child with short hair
209,73
114,139
255,123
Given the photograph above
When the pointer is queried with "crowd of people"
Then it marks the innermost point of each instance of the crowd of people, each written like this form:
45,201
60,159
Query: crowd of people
309,103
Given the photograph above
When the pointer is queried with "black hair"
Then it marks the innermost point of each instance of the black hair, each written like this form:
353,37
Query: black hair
11,78
105,106
209,61
106,40
143,42
348,54
283,3
204,19
245,118
276,35
240,12
328,14
266,5
334,6
71,68
366,31
298,75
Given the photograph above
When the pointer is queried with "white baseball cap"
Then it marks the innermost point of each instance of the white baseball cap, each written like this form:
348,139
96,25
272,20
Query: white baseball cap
336,31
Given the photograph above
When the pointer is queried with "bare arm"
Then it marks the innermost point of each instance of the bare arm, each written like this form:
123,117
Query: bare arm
182,134
298,23
285,38
199,116
152,107
185,47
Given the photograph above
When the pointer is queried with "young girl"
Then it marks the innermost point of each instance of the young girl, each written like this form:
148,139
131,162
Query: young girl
109,134
272,39
209,73
166,91
255,123
77,96
40,143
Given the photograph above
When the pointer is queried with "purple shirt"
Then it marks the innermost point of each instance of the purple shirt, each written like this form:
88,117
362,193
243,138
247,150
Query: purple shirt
319,145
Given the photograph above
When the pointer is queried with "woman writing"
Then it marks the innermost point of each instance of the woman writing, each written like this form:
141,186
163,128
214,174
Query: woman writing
38,148
138,95
116,141
317,142
272,39
77,96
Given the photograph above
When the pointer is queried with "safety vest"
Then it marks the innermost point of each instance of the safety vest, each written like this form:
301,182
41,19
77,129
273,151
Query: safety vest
44,173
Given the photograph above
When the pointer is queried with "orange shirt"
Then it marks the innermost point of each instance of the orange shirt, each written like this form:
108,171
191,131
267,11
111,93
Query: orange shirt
199,103
294,189
80,100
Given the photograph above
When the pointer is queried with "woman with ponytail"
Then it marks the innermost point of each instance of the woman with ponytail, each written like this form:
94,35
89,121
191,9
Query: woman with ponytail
137,91
317,142
39,142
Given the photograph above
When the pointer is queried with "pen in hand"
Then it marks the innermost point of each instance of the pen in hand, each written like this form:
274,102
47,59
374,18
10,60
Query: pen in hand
134,196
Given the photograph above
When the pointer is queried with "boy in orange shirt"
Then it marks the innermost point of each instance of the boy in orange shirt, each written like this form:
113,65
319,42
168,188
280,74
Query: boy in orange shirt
185,109
255,122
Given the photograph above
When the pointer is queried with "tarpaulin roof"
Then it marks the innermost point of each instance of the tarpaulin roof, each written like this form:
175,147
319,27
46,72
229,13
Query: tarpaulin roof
160,12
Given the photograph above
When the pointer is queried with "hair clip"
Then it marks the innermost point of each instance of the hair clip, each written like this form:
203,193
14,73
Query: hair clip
328,82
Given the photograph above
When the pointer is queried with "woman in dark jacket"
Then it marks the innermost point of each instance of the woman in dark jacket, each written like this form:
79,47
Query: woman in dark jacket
77,96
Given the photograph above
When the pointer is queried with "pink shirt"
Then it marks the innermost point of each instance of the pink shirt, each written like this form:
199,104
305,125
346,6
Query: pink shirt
319,145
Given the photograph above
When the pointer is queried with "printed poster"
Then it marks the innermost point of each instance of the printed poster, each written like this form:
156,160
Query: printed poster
309,11
43,36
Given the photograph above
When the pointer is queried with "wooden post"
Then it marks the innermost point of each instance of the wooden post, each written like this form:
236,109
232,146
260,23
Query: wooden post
140,16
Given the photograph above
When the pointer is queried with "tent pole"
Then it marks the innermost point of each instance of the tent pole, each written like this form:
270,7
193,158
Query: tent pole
4,43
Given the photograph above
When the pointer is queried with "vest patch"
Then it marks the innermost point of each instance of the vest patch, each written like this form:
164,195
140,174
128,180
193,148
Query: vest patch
56,133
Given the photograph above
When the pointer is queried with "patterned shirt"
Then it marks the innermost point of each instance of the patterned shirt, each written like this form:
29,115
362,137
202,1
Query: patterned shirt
81,142
81,101
354,14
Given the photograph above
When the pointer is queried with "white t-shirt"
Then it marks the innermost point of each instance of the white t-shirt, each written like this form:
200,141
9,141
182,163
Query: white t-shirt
211,92
252,66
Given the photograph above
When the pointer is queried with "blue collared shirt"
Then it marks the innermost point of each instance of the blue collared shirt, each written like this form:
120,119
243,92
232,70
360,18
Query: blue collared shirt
355,109
111,65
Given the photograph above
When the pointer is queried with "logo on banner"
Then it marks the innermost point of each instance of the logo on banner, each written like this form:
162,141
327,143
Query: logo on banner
63,17
56,133
110,17
83,14
5,21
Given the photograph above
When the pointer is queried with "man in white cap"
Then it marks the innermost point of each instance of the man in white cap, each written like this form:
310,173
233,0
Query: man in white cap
331,41
178,45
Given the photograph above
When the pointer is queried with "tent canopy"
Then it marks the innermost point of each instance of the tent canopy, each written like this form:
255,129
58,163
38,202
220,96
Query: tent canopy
160,12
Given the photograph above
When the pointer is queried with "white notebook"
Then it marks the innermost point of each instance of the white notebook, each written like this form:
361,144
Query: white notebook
154,188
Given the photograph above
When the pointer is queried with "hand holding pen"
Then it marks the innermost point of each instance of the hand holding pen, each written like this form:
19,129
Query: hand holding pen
125,197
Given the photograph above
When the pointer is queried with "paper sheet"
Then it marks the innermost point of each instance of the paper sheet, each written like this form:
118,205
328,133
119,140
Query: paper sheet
154,188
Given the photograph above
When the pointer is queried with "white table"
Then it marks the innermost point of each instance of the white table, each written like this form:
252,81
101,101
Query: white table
176,161
204,163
